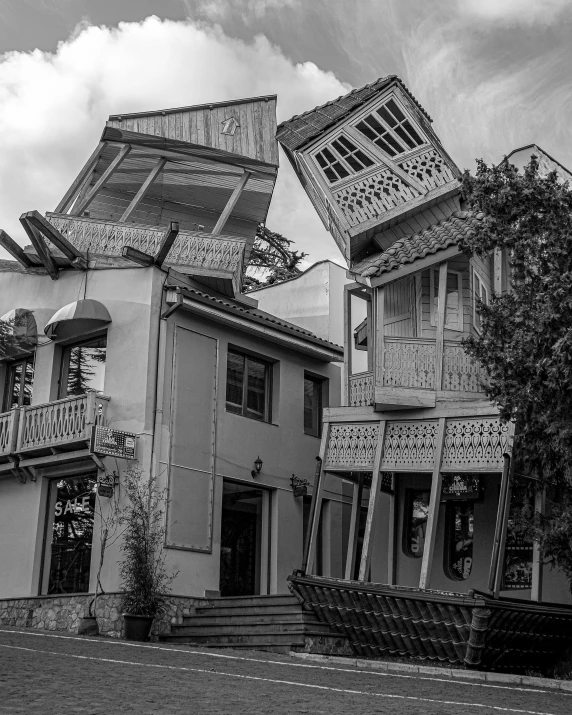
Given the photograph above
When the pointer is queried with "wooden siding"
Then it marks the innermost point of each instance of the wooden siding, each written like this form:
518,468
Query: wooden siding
254,137
400,308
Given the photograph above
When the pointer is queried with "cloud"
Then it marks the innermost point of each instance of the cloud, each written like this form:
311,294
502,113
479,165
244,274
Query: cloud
217,10
516,12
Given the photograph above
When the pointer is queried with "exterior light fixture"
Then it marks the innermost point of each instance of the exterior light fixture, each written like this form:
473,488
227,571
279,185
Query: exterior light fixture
257,467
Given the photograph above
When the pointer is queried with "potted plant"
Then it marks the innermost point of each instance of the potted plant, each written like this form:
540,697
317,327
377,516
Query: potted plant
145,580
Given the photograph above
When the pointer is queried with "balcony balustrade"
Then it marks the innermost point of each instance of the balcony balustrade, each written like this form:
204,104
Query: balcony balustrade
361,389
8,432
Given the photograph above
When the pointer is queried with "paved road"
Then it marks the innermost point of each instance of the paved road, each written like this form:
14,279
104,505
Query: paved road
60,675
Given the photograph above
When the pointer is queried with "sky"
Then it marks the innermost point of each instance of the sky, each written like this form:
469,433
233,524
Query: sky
493,74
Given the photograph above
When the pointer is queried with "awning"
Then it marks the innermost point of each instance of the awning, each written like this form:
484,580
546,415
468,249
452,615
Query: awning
24,330
76,319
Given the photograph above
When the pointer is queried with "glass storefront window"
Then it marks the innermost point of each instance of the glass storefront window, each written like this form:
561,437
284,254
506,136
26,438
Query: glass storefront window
69,534
459,546
416,515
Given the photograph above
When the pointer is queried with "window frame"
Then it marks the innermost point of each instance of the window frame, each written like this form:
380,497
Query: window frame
390,130
477,279
351,173
64,362
460,311
9,380
319,390
268,370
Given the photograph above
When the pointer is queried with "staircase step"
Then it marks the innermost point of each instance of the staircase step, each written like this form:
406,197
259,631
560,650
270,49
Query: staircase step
233,641
214,617
250,629
253,601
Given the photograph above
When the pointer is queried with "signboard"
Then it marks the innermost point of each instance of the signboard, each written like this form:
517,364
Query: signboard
113,442
461,486
105,484
299,486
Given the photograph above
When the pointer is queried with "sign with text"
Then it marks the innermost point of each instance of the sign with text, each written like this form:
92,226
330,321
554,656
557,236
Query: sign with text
112,442
461,486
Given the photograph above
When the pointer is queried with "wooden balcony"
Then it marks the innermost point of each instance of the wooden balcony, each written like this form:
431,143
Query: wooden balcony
8,432
61,425
216,260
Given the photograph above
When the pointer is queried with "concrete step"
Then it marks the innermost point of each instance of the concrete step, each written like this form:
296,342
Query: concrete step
296,629
286,640
213,616
253,601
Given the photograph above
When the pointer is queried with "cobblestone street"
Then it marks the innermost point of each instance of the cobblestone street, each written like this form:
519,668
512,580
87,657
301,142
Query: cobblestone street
60,675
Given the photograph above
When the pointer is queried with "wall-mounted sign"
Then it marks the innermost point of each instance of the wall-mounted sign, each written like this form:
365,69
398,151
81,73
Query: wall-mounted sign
461,486
299,486
112,442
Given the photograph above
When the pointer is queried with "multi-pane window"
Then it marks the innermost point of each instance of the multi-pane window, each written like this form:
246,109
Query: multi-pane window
248,386
460,533
416,515
390,130
83,367
453,299
312,406
19,383
342,158
480,294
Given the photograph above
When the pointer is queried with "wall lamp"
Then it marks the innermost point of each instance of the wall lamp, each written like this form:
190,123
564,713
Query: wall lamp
257,467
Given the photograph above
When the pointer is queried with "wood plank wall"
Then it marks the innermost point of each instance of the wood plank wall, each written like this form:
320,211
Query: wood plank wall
400,308
460,264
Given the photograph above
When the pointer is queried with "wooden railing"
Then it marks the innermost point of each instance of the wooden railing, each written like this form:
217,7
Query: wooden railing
361,389
460,371
62,422
8,431
409,362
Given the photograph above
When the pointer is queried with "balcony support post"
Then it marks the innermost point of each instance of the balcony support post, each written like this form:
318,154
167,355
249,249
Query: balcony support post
392,535
81,206
231,203
354,528
440,331
40,247
379,313
81,181
372,515
316,505
537,565
136,200
348,338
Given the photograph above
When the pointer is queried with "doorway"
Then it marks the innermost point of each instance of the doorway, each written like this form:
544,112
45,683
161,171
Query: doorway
244,540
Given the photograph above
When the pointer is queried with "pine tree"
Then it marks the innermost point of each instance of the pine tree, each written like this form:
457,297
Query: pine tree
271,259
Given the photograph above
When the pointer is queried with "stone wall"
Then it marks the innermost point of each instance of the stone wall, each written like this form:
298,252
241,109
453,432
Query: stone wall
64,613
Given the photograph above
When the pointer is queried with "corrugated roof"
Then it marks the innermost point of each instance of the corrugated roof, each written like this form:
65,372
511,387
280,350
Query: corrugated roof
299,130
410,248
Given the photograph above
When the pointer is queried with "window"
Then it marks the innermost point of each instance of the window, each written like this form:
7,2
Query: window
19,383
480,293
342,158
416,515
459,545
453,299
83,367
390,130
312,406
248,386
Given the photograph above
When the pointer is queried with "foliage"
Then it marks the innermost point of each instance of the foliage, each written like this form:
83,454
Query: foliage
80,373
145,580
10,339
525,343
271,259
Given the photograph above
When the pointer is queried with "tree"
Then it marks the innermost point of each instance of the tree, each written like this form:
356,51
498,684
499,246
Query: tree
271,259
525,344
10,338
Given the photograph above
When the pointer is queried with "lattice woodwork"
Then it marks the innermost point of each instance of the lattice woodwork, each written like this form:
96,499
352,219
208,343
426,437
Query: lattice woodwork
429,169
361,389
190,248
460,371
352,446
6,431
367,198
475,444
409,363
409,446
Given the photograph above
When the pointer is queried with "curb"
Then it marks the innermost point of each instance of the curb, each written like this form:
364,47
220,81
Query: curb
453,674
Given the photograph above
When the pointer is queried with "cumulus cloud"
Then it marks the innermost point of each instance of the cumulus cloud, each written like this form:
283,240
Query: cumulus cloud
217,10
516,12
54,106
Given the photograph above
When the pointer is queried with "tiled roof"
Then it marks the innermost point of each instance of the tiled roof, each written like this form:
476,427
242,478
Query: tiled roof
260,316
431,240
299,130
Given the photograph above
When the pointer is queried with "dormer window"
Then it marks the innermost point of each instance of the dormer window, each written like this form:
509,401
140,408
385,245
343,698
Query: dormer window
390,130
342,158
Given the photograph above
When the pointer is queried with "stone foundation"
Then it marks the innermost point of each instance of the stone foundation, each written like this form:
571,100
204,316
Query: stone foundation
63,613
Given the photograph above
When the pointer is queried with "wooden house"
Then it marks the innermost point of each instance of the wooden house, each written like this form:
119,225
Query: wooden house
424,448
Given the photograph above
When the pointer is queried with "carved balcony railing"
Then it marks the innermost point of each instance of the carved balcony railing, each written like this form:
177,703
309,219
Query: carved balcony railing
8,432
62,423
361,389
461,372
409,362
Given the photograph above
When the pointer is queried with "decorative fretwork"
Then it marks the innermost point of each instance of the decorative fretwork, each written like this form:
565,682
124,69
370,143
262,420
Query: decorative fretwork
361,389
60,422
429,169
409,363
367,198
352,446
461,371
109,238
409,446
475,444
7,425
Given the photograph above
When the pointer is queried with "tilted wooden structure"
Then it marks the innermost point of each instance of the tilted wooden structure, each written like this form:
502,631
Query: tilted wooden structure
416,419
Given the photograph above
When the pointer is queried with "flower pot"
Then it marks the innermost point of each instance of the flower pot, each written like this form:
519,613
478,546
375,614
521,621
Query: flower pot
137,628
88,626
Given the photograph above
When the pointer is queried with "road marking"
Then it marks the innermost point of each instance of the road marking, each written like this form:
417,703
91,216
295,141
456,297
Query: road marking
293,665
278,682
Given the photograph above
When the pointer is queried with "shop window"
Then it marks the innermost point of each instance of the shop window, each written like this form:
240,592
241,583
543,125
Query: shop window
342,158
453,299
313,406
390,130
69,535
19,383
83,367
459,540
248,386
479,293
416,515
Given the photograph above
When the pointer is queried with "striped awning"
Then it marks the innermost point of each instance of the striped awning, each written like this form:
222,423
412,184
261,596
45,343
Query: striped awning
76,319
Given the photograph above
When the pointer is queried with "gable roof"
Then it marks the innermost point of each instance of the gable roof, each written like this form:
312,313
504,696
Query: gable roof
302,128
431,240
193,107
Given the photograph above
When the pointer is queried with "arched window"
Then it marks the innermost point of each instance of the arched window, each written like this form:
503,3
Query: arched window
459,524
416,514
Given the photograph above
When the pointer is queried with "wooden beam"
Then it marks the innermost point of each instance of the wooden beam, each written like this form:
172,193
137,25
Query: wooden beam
225,215
137,256
81,206
392,536
166,243
379,294
354,528
348,339
143,190
14,249
374,494
440,331
537,558
87,169
41,249
57,238
316,506
434,501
